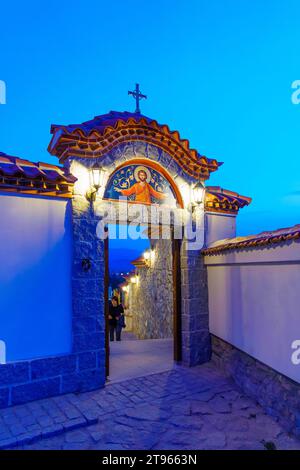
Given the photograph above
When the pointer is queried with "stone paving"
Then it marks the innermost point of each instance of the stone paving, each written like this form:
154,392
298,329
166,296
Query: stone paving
142,357
196,408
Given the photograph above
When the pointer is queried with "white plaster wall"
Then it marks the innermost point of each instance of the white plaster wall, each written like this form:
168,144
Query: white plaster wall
219,226
254,303
35,276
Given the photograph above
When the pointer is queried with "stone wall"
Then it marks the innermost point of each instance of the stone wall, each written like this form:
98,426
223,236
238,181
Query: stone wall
151,300
276,393
196,347
88,291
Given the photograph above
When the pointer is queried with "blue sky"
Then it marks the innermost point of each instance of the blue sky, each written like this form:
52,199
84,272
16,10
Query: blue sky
220,72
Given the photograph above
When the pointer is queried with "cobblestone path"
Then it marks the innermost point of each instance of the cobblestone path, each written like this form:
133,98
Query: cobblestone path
197,408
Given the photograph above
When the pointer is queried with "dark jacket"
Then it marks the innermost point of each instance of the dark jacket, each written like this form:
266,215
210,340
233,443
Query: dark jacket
115,313
121,321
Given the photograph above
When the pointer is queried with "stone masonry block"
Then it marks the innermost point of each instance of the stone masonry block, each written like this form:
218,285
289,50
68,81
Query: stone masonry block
80,207
14,373
83,381
84,287
88,307
85,325
35,390
85,229
4,394
52,366
83,249
87,360
195,307
88,342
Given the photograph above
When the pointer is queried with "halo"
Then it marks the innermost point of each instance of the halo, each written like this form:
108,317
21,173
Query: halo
145,169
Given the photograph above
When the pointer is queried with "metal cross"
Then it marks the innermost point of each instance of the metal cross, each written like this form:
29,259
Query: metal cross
138,97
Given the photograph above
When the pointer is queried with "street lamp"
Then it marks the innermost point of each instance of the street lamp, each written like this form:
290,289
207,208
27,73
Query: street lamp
97,174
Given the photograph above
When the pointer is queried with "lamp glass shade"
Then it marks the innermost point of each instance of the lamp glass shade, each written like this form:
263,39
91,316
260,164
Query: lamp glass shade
97,175
198,192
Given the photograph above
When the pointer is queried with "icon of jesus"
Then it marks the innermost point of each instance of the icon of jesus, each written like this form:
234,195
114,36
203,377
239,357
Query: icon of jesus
142,189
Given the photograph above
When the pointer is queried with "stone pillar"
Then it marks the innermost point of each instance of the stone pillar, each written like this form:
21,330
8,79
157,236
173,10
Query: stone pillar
88,296
196,343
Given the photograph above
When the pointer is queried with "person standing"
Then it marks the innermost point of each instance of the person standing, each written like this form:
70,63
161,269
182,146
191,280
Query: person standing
120,325
114,314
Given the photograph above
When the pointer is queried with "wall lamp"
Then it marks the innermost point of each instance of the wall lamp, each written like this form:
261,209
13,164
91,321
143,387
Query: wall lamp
149,257
97,174
199,193
134,279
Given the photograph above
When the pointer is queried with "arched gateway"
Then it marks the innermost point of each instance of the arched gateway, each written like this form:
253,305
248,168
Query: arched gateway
63,348
125,144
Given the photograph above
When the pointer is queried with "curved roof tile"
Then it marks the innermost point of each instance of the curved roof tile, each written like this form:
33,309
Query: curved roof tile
97,136
24,175
254,241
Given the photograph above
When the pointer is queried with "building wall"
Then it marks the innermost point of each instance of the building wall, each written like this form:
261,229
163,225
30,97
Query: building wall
254,300
151,300
75,326
35,276
219,226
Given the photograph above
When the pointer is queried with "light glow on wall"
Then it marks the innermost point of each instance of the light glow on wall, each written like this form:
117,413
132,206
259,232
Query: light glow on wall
134,279
185,190
2,352
82,174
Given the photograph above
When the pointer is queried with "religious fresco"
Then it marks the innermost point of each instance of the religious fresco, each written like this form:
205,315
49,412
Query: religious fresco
140,184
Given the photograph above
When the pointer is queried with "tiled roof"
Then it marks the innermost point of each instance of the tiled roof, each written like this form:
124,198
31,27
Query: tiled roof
96,137
17,174
222,200
262,239
139,262
101,122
